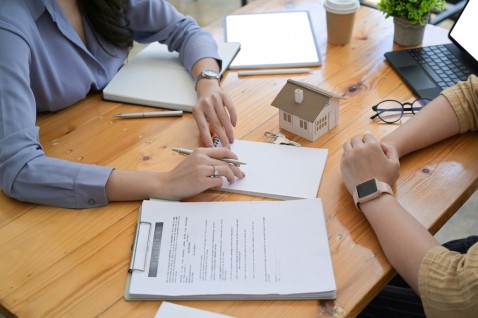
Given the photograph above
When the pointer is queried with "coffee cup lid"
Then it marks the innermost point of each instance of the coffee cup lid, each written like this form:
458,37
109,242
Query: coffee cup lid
342,6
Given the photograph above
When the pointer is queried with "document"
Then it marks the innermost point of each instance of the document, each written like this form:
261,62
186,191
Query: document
156,77
278,171
170,310
231,250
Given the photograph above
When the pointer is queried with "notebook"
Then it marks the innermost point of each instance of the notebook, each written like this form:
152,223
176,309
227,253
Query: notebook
156,77
231,250
430,69
268,42
277,171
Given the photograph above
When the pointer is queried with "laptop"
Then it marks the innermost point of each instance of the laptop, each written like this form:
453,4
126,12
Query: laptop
430,69
156,77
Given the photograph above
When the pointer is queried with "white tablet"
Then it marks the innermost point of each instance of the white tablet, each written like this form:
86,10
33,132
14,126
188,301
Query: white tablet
273,39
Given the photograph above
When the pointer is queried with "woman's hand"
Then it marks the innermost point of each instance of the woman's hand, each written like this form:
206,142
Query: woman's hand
195,174
364,159
214,112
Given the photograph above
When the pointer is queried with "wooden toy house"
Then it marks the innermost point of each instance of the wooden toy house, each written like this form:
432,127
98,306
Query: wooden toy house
306,110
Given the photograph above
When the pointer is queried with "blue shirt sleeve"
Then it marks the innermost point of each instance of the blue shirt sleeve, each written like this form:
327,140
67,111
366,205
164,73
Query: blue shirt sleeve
35,38
26,173
157,20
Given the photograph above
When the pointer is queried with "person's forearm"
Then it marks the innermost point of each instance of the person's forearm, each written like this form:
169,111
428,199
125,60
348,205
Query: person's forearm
436,122
403,239
205,64
131,185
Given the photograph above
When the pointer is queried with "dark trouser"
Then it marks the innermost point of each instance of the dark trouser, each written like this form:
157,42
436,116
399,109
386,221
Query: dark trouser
398,300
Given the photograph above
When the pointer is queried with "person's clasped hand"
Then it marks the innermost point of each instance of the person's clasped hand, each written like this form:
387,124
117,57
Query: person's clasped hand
198,172
365,158
214,110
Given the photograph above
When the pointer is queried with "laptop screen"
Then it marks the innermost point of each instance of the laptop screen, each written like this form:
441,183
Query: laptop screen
462,33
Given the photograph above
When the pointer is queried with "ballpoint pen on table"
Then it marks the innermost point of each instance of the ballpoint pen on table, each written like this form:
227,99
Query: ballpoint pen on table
228,160
150,114
274,71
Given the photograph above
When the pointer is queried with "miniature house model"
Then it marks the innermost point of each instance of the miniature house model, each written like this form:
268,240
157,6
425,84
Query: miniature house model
306,110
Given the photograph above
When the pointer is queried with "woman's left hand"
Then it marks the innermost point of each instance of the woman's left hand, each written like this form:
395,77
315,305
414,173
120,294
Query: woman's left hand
214,112
364,158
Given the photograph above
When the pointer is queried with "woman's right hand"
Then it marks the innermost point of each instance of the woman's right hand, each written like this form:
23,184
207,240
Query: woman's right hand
195,174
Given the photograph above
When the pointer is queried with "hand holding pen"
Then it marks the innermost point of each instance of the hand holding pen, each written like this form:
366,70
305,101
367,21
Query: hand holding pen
211,163
201,170
184,151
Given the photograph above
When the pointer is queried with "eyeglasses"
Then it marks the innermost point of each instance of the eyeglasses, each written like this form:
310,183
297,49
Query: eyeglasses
390,111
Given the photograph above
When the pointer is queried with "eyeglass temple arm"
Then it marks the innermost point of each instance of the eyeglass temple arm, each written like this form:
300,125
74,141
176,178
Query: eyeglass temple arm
379,111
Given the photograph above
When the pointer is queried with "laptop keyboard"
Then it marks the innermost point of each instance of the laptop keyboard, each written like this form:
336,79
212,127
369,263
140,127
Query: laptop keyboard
441,64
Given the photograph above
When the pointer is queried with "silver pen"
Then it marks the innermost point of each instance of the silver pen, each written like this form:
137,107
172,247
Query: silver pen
151,114
189,151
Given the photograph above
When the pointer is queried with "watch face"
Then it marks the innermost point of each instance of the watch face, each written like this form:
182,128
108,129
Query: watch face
210,73
367,188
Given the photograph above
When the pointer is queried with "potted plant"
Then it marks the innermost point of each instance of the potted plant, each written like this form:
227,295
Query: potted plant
409,17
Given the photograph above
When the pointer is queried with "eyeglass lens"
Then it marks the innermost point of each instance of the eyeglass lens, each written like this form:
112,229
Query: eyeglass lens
391,111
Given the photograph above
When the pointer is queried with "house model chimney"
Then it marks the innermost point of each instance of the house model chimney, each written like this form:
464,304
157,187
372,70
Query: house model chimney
299,95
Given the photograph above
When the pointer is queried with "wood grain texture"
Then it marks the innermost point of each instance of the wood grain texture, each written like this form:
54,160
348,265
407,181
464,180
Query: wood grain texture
73,263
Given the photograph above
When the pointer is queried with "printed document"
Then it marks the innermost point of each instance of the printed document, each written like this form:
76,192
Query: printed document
231,250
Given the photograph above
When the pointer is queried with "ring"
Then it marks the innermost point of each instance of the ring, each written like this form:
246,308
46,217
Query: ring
215,172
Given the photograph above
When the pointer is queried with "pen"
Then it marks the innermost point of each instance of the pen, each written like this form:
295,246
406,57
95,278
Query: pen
188,152
150,114
275,71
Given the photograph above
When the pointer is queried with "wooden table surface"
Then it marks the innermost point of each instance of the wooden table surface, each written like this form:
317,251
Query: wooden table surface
73,263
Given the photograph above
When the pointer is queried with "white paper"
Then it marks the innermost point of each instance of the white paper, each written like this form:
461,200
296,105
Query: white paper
232,249
170,310
278,171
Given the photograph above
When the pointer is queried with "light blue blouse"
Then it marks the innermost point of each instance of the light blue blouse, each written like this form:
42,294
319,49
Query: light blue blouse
44,66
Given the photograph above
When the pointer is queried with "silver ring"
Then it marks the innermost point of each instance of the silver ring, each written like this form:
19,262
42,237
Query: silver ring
215,172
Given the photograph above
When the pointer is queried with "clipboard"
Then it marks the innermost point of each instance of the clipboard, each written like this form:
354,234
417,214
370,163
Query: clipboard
230,250
273,39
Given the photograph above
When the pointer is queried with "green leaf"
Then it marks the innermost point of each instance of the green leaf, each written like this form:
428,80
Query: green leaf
415,11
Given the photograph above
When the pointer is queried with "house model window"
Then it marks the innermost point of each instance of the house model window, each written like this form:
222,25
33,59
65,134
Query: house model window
306,110
303,124
287,117
321,123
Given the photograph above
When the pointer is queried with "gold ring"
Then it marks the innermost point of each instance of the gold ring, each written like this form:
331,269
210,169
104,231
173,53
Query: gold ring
215,172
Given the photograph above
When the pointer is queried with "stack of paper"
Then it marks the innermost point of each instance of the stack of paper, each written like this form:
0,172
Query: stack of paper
278,171
231,250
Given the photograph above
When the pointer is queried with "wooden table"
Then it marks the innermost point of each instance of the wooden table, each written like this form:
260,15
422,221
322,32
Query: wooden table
73,263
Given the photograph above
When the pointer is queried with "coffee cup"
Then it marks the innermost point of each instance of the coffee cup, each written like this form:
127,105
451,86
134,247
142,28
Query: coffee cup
340,16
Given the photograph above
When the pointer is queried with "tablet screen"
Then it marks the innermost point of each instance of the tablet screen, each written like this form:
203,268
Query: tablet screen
276,39
462,32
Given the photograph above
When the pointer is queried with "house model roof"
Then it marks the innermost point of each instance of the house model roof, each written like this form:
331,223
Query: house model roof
315,99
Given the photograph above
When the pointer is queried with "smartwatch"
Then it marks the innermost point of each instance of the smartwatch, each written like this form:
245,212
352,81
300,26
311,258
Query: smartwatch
209,74
370,190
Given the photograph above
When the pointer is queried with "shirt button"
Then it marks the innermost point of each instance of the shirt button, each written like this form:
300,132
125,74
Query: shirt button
91,202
